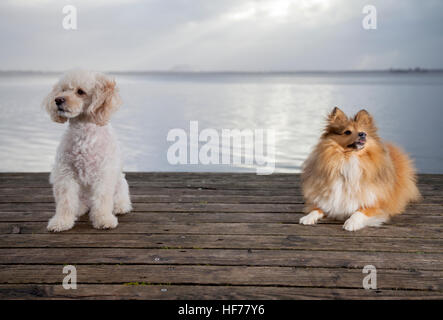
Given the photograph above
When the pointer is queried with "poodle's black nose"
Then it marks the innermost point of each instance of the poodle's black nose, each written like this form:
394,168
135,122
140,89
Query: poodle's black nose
59,101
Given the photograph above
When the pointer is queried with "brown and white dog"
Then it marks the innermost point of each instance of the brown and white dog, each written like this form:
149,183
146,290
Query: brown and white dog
352,174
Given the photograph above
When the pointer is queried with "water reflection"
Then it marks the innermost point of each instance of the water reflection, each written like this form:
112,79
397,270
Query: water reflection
407,109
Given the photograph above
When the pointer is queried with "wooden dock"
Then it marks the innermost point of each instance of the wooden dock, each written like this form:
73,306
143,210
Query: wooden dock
215,236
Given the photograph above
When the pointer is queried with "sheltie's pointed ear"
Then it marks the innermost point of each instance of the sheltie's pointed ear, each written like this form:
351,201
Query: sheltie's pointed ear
337,116
364,118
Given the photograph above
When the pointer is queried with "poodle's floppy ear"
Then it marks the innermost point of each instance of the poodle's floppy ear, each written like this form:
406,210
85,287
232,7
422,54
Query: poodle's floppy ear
363,117
51,108
105,100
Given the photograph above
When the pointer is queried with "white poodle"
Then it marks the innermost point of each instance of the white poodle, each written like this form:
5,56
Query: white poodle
87,175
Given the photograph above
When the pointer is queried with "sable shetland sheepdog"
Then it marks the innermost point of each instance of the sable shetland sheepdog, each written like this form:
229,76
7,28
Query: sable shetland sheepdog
351,174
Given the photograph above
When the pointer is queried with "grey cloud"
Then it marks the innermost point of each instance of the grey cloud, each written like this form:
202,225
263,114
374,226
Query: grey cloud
158,34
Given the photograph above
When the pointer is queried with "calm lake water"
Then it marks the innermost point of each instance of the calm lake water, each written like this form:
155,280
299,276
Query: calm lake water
407,108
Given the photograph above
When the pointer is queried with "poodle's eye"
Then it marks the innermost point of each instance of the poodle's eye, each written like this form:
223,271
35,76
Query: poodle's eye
347,132
81,92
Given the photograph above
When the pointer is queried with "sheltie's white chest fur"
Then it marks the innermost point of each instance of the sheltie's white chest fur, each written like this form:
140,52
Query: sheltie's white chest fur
346,195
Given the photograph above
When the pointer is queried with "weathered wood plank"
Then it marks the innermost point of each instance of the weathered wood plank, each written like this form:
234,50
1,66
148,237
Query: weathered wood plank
289,242
198,175
232,275
177,179
228,217
205,207
174,292
288,258
167,198
173,207
231,185
404,231
426,190
32,197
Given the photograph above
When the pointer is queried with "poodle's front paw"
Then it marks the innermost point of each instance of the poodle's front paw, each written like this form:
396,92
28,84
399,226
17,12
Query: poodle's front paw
311,218
356,222
122,208
105,222
58,223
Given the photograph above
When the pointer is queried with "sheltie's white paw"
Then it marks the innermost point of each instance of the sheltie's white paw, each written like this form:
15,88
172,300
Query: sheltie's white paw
311,218
357,221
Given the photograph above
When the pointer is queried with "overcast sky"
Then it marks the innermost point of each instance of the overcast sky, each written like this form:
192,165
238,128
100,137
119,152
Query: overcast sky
220,35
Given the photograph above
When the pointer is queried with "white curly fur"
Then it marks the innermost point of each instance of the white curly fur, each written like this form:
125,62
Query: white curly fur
87,175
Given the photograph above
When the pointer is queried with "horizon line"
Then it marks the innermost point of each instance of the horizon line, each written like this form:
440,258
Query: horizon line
171,71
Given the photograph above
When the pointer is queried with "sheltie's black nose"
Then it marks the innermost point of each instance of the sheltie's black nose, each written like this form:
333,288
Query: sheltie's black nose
362,134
